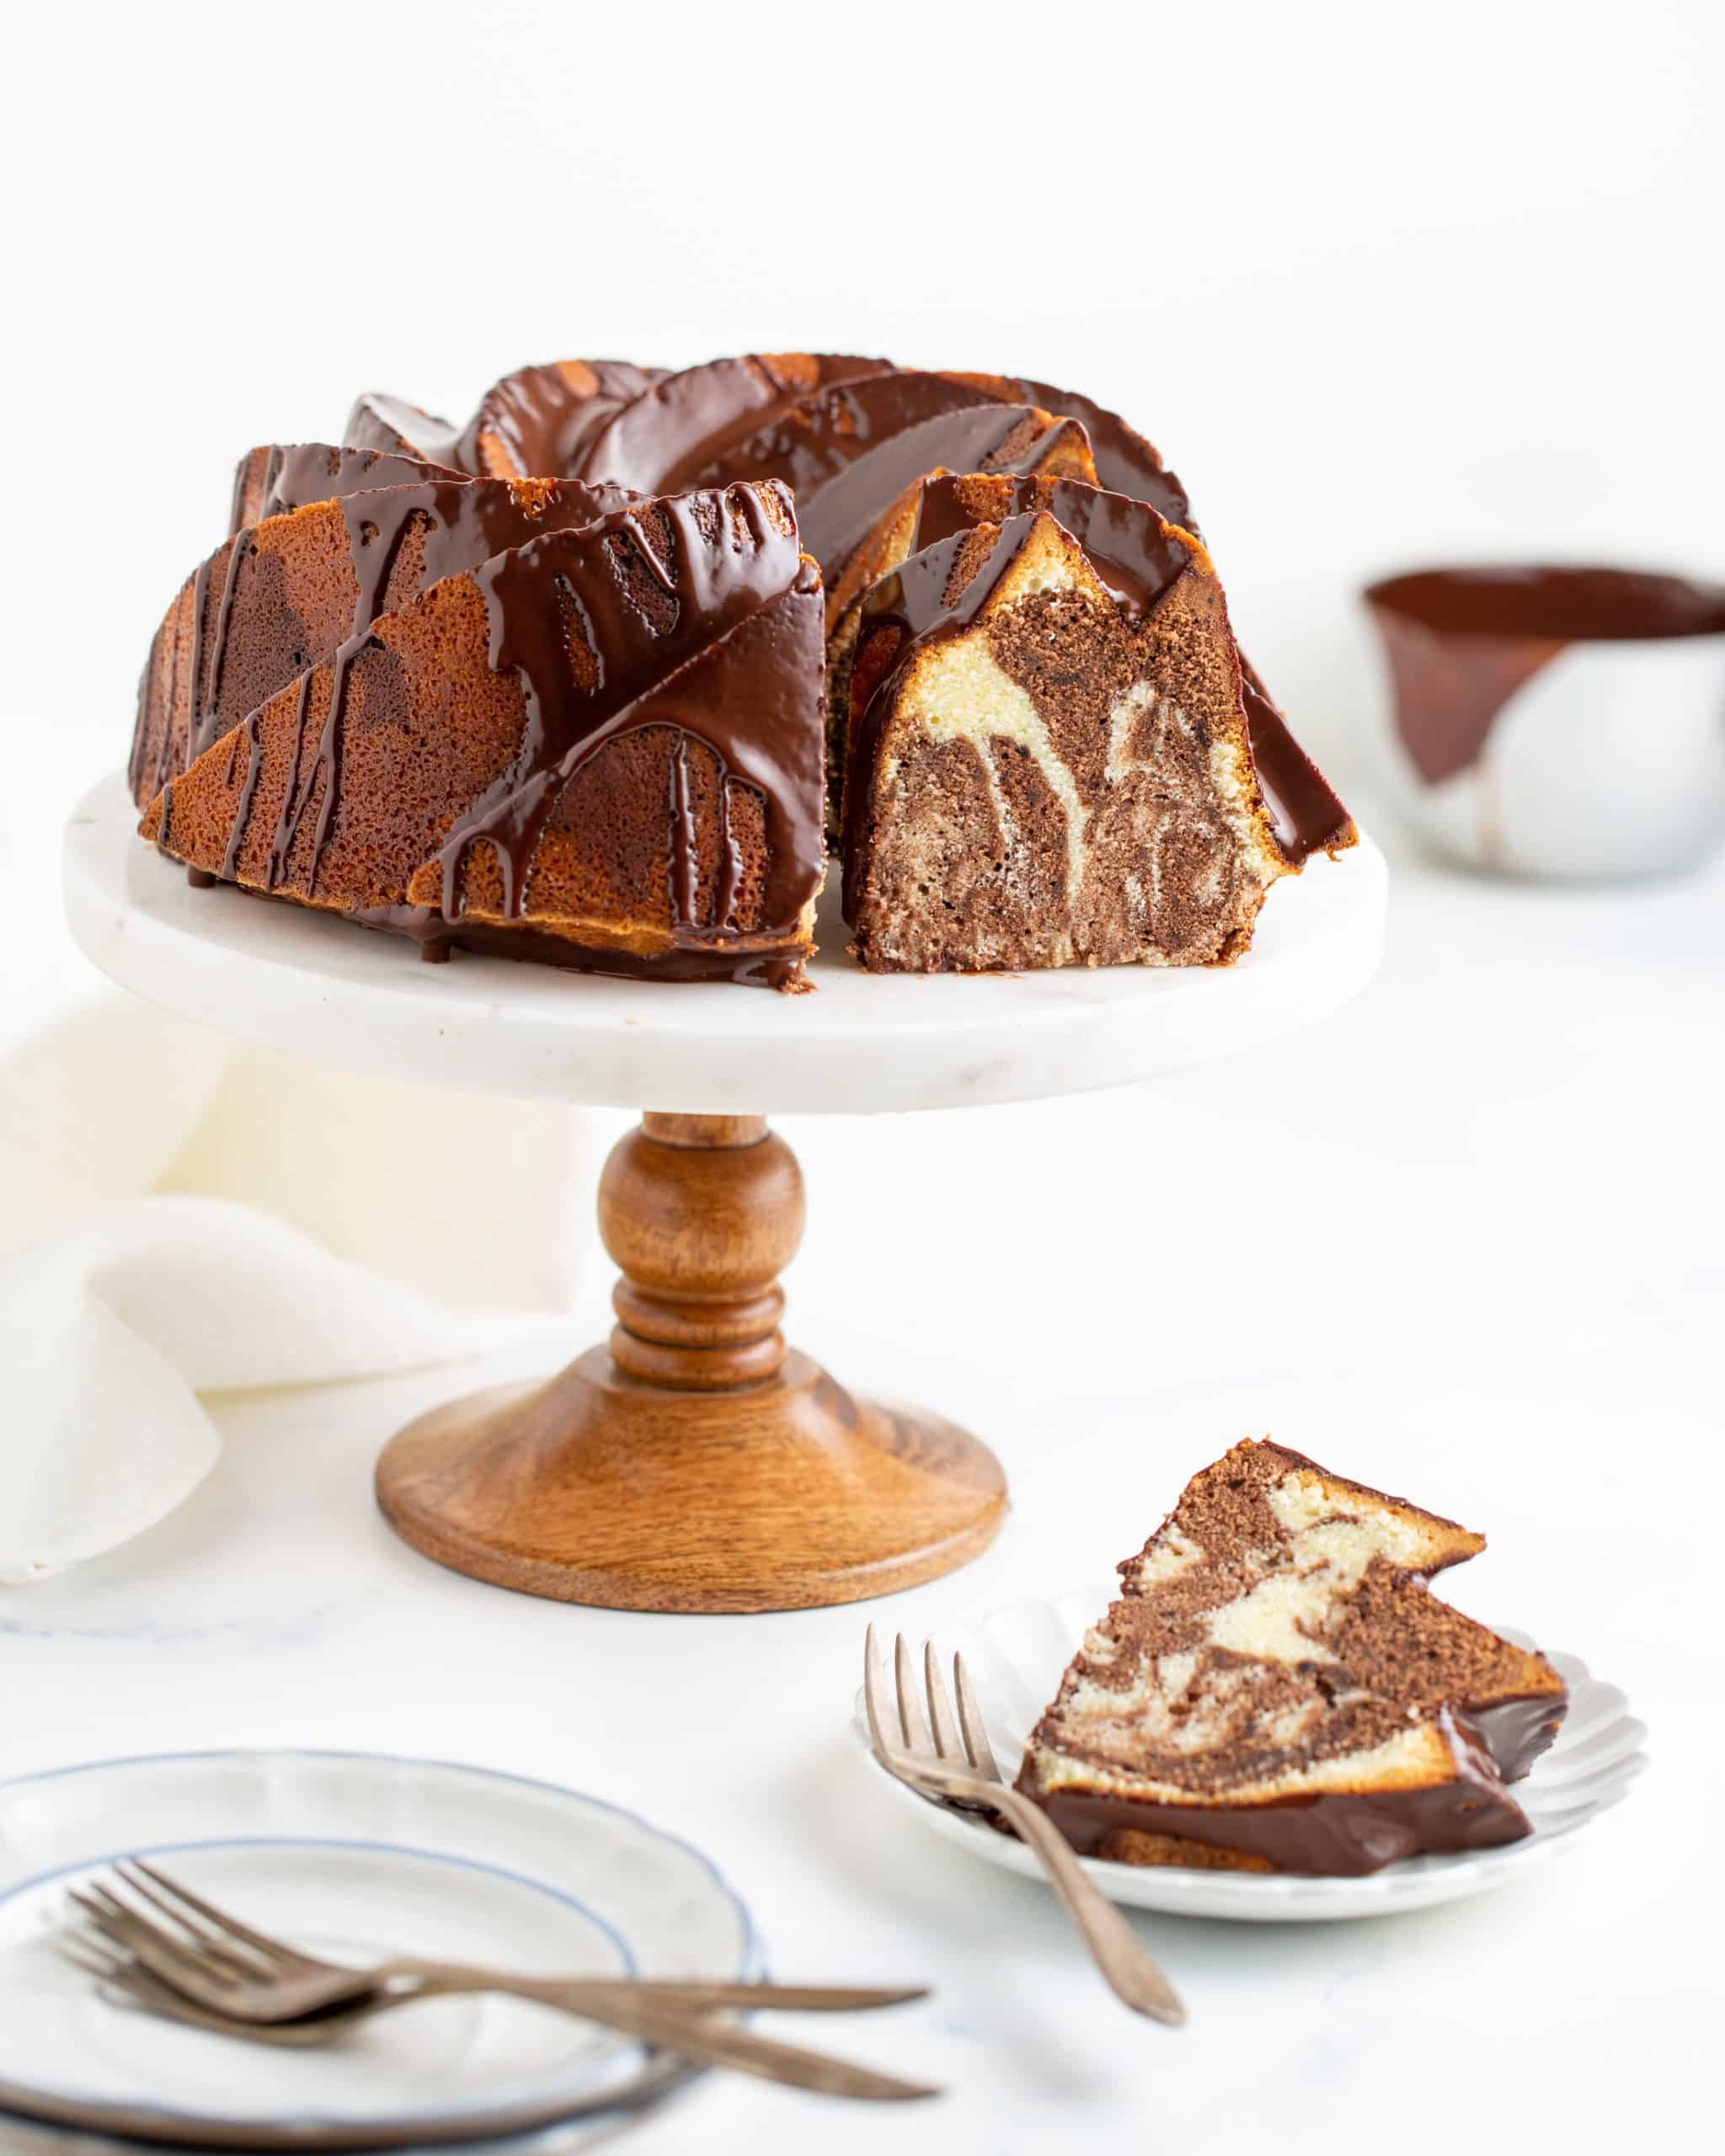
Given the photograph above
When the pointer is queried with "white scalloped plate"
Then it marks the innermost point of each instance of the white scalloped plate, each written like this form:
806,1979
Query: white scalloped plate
1015,1656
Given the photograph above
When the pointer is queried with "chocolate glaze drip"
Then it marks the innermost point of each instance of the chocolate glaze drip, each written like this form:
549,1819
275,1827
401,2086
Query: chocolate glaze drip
464,524
1459,643
463,521
1305,813
275,479
1332,1835
1125,462
1136,555
1516,1732
982,438
535,423
716,655
755,720
818,442
685,424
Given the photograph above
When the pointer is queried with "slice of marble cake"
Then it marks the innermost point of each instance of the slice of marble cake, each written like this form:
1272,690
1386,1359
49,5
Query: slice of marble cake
1047,760
1277,1690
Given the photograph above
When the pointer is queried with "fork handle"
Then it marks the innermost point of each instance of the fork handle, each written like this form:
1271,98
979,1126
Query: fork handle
691,2031
1115,1948
694,1994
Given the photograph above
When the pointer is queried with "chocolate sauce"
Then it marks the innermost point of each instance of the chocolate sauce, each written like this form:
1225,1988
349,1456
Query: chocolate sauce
1125,462
1339,1835
735,665
393,425
822,437
463,522
684,424
272,480
757,719
1460,643
1516,1732
535,423
979,438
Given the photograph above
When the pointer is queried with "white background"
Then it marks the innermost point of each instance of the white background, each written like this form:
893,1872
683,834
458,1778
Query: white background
1383,283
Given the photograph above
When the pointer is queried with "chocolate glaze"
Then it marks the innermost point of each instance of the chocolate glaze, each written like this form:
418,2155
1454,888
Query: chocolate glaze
756,725
984,438
277,478
1459,643
685,423
464,521
1125,462
819,441
1516,1732
1332,1835
393,425
721,562
683,963
1305,813
535,423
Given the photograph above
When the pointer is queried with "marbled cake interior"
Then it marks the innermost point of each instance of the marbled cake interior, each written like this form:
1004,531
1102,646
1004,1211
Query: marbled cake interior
1276,1641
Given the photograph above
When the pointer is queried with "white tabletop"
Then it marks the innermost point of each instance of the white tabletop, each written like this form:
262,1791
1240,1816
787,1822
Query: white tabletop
284,977
1439,1241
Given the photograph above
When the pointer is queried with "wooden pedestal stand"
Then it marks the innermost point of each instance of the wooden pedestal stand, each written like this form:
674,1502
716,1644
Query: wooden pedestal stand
696,1463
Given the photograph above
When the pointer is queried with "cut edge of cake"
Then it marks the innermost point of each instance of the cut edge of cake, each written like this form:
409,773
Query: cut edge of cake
1132,834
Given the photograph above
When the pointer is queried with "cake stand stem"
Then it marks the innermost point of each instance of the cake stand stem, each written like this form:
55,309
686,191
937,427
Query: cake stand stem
695,1463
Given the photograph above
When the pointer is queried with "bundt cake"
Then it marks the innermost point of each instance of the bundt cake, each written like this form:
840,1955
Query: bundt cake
1277,1689
294,676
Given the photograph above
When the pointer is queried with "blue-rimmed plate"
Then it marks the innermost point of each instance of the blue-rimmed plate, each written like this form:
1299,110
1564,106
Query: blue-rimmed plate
357,1856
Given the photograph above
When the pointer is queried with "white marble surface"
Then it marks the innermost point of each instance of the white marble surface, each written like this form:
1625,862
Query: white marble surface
283,977
1462,1238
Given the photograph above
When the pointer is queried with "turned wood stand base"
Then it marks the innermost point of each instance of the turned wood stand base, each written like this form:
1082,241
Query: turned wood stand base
696,1463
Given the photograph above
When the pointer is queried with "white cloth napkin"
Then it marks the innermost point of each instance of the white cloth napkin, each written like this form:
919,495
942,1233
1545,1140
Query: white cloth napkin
179,1214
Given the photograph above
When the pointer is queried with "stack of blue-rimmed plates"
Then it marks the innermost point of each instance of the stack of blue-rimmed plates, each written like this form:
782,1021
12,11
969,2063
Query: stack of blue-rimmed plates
357,1857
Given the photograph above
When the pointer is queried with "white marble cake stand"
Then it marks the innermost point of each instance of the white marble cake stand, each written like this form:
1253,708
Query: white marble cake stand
696,1463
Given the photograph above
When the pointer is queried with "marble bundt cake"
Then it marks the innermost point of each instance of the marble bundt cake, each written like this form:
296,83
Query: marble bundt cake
330,544
1277,1690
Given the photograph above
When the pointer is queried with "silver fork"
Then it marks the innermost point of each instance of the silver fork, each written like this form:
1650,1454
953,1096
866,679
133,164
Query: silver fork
245,1979
954,1763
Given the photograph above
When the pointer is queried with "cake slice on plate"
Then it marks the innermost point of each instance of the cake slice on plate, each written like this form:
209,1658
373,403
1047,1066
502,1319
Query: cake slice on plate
1277,1689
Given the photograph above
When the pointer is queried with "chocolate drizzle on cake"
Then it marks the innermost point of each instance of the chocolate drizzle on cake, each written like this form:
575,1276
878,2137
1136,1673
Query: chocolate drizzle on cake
682,427
657,807
713,560
694,621
285,579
